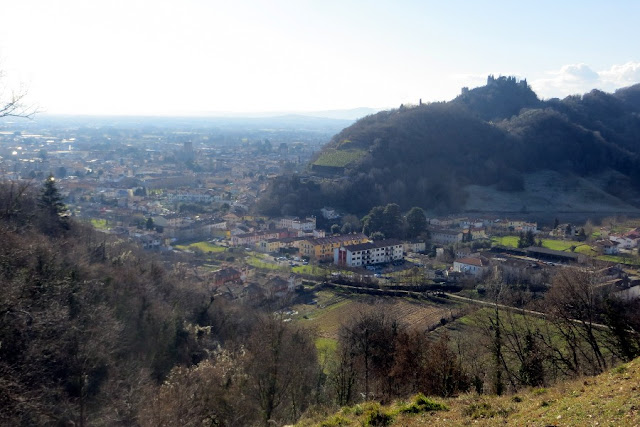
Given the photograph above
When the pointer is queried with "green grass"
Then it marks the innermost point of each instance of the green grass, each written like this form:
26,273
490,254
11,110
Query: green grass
326,348
560,245
311,270
203,246
556,245
511,241
586,250
620,259
100,224
256,261
339,158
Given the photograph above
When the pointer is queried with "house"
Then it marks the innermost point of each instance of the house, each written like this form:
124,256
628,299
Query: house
368,253
252,239
322,248
624,241
414,246
269,245
446,237
279,287
294,223
477,233
329,213
225,275
442,222
607,246
475,266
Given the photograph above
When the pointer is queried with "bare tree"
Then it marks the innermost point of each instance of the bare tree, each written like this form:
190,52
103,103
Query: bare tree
574,303
281,369
13,102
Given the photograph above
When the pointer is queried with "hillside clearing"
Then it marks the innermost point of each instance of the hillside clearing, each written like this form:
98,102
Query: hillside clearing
339,158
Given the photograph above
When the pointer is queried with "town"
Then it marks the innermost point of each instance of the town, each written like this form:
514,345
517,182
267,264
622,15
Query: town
192,193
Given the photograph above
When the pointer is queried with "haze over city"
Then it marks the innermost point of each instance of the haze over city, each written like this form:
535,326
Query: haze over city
198,57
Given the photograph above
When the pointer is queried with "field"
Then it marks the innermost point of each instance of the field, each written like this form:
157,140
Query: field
339,158
204,246
620,259
334,310
556,245
257,261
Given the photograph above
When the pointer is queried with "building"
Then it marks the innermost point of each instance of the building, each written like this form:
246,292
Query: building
414,246
475,266
607,247
447,237
225,275
269,245
252,239
369,253
329,213
294,223
321,249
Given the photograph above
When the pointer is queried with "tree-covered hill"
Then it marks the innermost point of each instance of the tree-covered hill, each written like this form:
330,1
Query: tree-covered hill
492,136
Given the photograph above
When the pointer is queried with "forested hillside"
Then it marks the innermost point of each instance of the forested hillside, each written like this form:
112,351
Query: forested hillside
95,332
492,136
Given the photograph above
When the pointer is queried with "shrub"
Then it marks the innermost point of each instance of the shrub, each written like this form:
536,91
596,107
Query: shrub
376,417
422,404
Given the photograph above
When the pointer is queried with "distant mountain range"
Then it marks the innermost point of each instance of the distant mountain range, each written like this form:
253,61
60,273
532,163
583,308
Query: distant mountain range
328,119
493,148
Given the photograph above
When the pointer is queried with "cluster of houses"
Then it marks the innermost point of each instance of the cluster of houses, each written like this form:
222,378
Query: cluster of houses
613,243
233,283
451,230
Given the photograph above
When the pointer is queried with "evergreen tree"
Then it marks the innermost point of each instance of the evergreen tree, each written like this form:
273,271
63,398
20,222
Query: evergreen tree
55,212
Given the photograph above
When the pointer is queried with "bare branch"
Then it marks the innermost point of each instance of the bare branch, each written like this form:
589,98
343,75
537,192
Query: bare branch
14,105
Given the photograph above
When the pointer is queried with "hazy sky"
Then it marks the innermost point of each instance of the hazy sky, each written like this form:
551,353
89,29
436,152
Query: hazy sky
209,56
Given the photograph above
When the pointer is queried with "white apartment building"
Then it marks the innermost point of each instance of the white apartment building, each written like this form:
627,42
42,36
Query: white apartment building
370,253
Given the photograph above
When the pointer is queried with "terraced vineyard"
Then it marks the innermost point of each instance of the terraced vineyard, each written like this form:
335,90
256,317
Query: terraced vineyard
337,310
339,158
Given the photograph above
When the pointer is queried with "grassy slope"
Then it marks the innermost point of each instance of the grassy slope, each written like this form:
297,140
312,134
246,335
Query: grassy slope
339,158
611,399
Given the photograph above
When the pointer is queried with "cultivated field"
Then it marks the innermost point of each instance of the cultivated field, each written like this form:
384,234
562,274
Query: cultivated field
334,310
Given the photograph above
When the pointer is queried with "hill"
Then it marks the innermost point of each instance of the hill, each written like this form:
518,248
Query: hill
495,138
608,399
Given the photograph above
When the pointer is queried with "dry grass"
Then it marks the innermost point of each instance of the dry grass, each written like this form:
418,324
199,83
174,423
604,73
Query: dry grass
331,313
610,399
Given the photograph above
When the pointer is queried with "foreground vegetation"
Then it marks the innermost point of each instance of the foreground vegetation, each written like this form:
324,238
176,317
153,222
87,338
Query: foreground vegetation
608,399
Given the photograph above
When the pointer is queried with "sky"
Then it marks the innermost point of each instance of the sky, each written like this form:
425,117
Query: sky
194,57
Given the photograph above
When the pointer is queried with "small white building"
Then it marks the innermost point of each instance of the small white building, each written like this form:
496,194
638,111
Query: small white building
329,213
475,266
